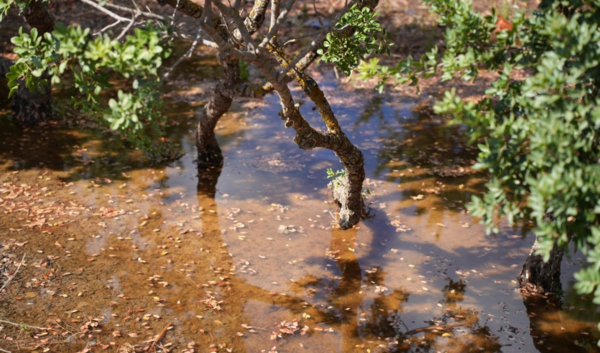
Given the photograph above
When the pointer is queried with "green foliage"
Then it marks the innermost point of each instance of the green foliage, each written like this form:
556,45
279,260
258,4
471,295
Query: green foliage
4,7
538,135
6,4
91,60
336,177
346,48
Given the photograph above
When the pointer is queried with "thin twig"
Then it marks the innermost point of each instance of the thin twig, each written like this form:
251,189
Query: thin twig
159,337
186,55
23,325
4,350
135,16
174,13
110,13
149,13
14,274
107,27
432,328
274,27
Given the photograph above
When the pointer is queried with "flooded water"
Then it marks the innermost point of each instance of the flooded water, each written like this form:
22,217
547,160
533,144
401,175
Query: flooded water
247,259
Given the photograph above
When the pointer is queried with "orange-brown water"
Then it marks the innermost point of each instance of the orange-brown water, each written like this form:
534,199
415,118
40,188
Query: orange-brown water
247,259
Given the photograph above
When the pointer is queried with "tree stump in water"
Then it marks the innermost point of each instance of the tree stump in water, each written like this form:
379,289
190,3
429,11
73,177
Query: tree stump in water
538,276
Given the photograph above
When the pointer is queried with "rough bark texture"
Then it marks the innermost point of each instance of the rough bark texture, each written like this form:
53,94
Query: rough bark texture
539,276
209,152
267,57
348,192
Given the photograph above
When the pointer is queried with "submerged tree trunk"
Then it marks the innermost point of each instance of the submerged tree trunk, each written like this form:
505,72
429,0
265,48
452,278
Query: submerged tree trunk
348,195
209,152
538,276
270,57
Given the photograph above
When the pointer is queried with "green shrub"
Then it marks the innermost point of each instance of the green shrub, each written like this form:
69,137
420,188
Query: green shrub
539,137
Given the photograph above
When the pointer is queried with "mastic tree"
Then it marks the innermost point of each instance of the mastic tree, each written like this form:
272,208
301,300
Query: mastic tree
538,132
140,44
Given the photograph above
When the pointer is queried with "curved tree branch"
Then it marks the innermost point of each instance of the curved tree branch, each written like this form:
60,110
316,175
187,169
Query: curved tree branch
348,194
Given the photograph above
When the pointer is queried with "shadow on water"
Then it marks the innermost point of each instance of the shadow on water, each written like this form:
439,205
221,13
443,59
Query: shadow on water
245,257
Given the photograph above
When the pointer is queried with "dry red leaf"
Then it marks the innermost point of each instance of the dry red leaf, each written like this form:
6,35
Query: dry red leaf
503,25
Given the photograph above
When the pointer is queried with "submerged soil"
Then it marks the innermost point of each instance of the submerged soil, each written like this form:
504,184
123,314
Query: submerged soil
102,251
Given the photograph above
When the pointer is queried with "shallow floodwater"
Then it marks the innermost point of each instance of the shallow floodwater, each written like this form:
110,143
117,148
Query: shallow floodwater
247,259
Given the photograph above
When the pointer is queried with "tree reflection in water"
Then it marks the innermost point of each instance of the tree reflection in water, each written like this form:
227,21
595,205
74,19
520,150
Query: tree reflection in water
345,303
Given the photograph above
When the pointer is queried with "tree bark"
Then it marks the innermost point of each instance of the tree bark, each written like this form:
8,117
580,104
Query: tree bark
209,152
348,194
266,57
538,276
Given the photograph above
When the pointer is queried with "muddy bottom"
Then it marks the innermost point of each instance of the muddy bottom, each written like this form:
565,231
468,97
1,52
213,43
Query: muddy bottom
107,253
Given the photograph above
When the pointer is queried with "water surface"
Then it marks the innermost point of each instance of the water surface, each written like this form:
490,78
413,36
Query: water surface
248,259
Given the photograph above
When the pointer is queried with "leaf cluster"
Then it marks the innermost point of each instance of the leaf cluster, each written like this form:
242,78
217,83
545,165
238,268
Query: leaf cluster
6,4
91,61
336,177
539,136
356,35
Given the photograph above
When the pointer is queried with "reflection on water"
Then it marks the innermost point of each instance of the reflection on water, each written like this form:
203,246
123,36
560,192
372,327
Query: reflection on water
246,259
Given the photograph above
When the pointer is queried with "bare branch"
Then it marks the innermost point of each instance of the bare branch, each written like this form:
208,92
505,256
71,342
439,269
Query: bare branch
187,7
148,13
274,27
109,13
224,47
135,16
14,274
257,16
175,12
23,325
107,27
275,12
241,28
186,55
316,44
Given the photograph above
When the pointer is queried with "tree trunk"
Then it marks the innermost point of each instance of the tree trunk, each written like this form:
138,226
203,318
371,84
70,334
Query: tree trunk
348,195
209,152
539,276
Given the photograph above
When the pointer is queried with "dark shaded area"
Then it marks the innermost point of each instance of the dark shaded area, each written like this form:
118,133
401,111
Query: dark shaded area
552,329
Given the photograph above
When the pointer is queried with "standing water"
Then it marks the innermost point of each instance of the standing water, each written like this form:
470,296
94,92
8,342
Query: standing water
122,256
